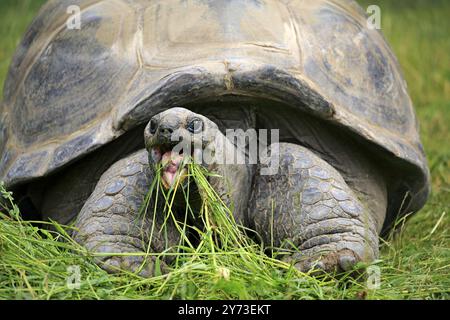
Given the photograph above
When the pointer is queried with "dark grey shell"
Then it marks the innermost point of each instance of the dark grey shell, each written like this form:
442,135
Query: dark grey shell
69,92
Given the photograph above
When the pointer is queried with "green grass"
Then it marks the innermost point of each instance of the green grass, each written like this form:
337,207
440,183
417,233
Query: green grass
225,264
415,264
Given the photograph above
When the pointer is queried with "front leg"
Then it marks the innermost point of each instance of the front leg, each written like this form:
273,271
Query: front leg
308,203
110,220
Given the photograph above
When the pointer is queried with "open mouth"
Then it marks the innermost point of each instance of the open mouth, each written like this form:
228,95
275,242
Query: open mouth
173,165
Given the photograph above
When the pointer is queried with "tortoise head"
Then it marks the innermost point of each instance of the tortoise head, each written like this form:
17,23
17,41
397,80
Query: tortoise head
175,137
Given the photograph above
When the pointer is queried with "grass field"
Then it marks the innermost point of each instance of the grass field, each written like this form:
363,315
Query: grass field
414,265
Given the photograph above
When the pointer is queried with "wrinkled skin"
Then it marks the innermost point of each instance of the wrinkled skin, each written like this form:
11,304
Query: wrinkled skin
305,202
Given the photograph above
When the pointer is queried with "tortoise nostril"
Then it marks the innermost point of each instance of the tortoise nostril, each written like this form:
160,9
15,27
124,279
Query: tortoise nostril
166,131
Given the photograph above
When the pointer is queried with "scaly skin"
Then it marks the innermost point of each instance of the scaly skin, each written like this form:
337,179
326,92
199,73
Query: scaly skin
308,203
109,222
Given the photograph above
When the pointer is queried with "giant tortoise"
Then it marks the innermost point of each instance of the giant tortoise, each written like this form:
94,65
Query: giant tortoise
88,113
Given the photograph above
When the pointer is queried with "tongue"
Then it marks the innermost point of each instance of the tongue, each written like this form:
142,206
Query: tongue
171,162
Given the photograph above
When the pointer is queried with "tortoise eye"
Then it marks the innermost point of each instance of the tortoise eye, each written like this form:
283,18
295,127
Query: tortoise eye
153,126
195,126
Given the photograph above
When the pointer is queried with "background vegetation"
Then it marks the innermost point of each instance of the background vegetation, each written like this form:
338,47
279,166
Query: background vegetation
415,264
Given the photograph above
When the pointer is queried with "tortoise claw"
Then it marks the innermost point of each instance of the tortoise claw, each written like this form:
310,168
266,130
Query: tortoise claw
341,261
